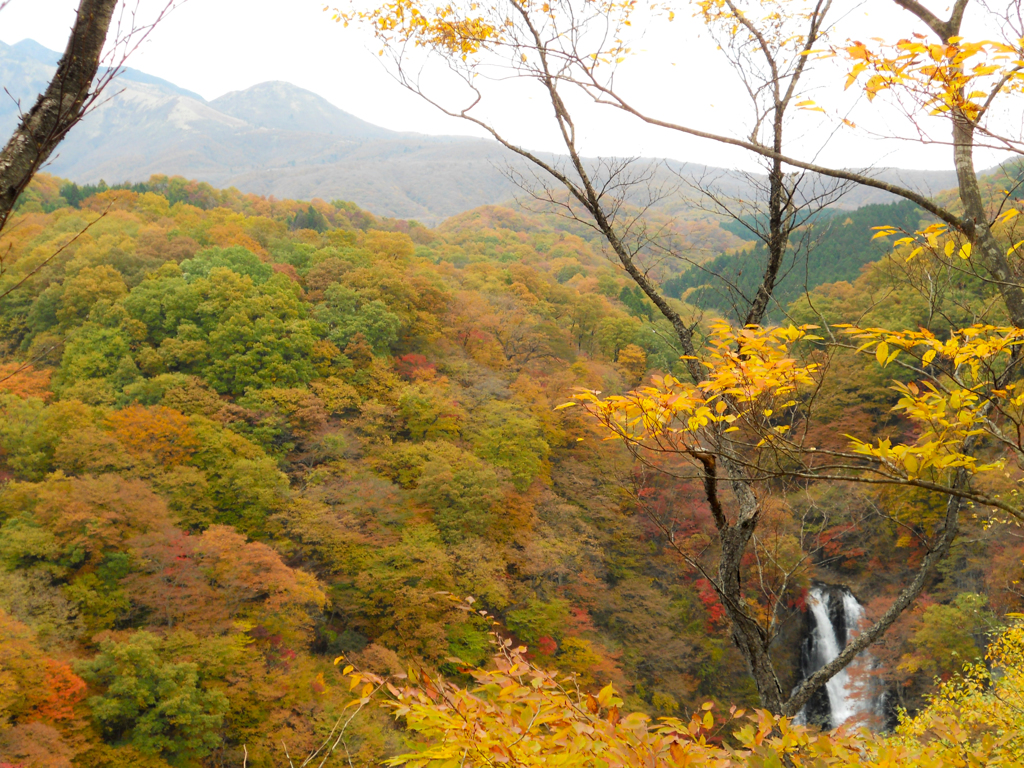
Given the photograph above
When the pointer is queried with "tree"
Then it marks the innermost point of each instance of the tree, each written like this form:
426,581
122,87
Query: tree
632,362
209,582
946,640
237,259
160,432
74,523
508,438
570,46
38,699
60,107
152,702
430,412
346,313
69,95
463,492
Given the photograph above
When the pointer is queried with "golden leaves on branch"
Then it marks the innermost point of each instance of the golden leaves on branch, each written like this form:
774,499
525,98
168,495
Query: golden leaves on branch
777,21
465,31
449,29
754,379
751,377
957,76
938,240
950,404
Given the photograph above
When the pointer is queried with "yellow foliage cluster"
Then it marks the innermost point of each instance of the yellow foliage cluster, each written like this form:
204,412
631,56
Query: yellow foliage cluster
986,703
947,409
517,714
751,375
442,28
936,238
462,32
753,382
958,76
767,22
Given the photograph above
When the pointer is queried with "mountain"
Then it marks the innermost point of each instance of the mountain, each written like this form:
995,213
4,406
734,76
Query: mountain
273,139
278,139
44,55
282,106
23,76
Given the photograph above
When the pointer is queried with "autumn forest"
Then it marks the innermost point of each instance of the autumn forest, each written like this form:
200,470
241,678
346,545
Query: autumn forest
724,478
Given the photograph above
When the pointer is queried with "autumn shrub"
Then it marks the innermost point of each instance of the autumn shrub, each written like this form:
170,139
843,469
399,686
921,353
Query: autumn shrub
986,703
516,713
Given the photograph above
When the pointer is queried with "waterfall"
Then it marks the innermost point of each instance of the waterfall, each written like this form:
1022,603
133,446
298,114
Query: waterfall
834,618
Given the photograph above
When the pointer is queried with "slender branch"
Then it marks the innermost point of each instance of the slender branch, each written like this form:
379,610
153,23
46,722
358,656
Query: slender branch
54,255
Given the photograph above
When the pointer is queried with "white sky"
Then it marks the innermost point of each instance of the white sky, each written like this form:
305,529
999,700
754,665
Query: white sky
216,46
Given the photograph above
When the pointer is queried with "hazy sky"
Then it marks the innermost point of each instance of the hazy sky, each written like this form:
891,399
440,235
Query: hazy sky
216,46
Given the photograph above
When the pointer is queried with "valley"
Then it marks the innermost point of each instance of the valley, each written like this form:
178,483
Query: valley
325,444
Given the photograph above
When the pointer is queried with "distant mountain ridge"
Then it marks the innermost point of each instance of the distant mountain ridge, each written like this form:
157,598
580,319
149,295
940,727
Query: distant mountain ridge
44,55
284,107
278,139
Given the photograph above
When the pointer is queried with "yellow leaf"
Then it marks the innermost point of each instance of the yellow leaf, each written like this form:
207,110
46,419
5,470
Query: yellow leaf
605,695
928,356
965,251
881,353
950,245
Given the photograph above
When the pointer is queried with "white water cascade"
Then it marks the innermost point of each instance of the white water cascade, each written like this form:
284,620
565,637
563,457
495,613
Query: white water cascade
851,695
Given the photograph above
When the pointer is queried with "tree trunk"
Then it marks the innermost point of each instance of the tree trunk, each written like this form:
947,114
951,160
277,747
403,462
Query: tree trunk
778,229
60,107
992,256
750,637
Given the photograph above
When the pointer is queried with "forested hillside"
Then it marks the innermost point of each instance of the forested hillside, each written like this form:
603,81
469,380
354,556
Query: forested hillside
832,247
241,437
